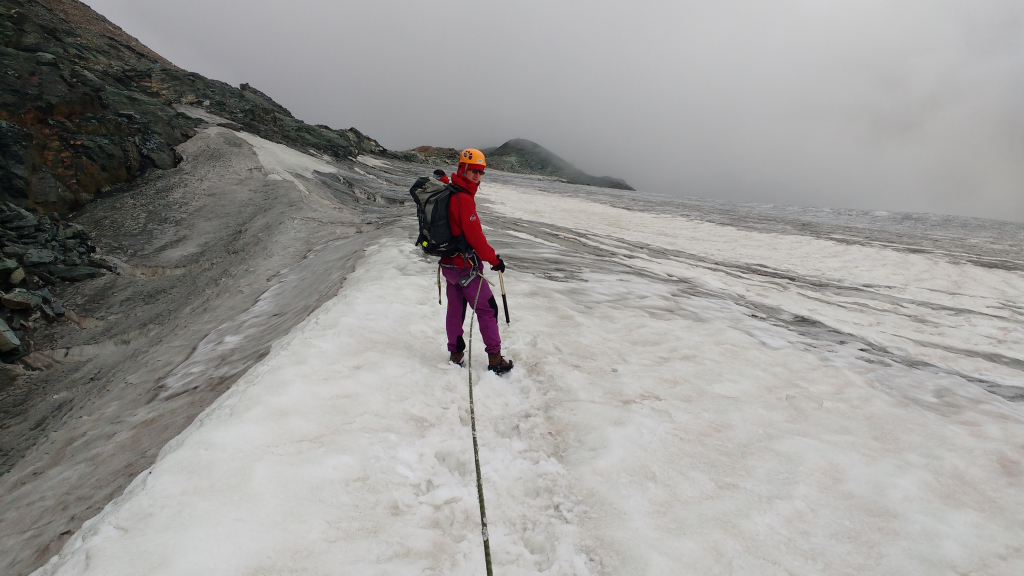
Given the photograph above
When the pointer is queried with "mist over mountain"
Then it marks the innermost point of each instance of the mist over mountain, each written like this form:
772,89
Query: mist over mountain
872,105
526,157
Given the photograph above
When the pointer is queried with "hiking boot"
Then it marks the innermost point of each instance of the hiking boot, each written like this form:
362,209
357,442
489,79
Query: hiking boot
456,358
496,363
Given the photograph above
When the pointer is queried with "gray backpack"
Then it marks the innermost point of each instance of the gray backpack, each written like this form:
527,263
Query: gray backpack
431,197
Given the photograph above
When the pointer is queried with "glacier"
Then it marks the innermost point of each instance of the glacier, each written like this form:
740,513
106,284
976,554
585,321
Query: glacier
699,389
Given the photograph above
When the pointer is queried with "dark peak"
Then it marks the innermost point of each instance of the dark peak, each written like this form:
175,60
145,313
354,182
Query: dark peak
527,157
528,150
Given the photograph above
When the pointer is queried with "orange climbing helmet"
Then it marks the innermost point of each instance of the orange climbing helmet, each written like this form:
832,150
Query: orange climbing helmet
472,157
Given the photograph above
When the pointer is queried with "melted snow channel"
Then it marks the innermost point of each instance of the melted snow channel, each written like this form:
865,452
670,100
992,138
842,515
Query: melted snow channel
283,163
371,161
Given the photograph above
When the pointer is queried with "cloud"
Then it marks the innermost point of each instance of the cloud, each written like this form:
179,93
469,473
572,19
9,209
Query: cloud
911,105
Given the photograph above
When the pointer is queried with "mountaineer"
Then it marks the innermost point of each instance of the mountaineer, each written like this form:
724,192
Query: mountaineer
463,271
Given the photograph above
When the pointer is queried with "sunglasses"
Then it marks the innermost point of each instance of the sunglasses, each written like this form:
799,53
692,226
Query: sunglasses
480,172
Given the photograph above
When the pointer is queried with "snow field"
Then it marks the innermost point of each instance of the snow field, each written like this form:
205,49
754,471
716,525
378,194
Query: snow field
347,451
713,453
642,432
912,304
870,265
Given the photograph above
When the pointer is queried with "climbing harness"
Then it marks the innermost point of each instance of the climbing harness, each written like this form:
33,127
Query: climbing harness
476,447
465,279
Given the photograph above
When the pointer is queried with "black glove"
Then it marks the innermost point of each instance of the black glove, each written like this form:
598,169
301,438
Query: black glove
500,266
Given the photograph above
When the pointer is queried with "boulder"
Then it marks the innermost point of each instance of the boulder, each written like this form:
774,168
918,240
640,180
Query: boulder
48,193
162,156
100,262
70,231
17,213
17,276
26,235
8,265
15,250
9,373
75,273
28,222
37,256
45,59
21,299
43,276
8,341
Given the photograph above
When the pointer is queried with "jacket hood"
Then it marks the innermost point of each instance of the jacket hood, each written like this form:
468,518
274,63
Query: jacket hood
465,184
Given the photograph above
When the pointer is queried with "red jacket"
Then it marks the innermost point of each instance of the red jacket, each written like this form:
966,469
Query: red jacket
464,221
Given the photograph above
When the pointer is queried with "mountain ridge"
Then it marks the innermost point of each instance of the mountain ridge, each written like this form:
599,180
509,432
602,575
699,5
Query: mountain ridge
521,156
527,157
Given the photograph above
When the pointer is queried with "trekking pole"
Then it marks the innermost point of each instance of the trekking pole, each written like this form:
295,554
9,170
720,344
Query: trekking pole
504,300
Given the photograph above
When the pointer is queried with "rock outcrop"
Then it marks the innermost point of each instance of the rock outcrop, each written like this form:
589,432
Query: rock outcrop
443,157
526,157
38,253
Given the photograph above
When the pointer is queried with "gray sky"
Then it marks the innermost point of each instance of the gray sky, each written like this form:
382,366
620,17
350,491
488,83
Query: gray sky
879,104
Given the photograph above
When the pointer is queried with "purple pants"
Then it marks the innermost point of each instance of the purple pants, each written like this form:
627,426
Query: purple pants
486,309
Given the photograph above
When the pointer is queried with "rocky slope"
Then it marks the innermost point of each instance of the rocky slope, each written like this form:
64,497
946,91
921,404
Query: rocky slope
216,260
38,253
526,157
85,107
144,243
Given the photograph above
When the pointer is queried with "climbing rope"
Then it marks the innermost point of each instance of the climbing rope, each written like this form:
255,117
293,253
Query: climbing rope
476,447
